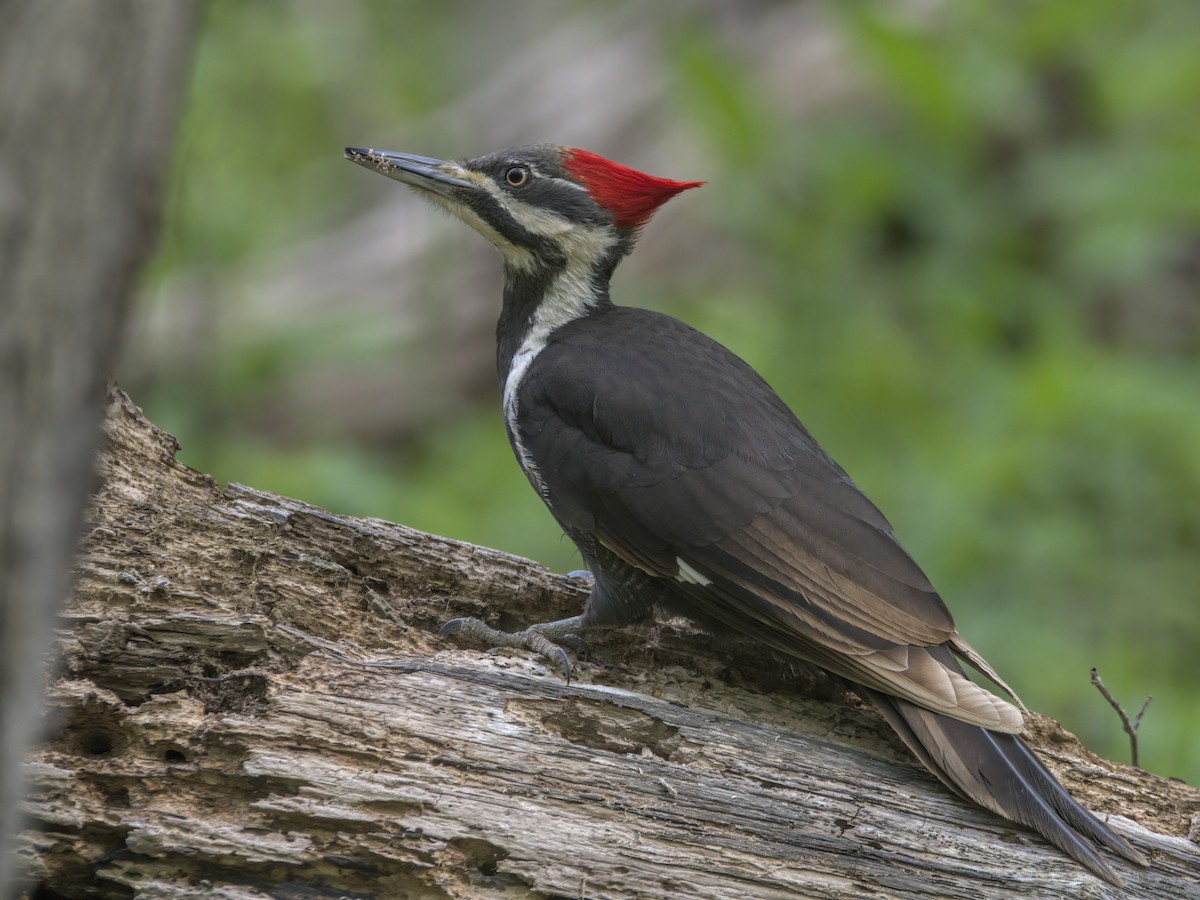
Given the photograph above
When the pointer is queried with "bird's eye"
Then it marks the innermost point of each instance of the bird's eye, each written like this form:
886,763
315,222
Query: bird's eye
516,176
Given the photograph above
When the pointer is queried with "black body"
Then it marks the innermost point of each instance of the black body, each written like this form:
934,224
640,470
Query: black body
658,444
654,443
690,488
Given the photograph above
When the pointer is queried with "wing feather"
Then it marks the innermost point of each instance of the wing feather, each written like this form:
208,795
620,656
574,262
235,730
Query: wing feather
732,485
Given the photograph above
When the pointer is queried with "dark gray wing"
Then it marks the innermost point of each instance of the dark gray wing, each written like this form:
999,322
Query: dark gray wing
675,455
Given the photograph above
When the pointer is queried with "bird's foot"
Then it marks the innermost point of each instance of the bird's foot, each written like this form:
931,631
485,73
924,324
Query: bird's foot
544,639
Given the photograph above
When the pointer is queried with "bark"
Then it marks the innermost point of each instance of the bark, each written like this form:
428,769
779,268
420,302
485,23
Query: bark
89,94
252,701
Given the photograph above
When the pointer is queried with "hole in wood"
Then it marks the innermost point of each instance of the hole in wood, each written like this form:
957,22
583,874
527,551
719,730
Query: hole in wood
96,743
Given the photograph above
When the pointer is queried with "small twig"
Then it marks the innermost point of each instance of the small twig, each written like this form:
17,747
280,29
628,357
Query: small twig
1131,728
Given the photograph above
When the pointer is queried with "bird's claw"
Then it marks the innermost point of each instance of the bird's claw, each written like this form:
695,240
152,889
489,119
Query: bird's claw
541,639
576,643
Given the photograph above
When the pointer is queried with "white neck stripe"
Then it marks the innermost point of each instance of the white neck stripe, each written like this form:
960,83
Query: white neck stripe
570,296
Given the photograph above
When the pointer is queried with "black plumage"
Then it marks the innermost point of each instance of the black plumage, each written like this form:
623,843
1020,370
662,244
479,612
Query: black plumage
691,489
708,466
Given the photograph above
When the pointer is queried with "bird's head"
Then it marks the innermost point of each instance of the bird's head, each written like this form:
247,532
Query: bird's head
540,205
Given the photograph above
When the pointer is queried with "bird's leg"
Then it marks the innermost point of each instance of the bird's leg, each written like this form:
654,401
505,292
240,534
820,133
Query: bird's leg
544,638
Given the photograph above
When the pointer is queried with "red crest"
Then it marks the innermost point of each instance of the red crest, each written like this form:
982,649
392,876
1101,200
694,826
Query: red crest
631,196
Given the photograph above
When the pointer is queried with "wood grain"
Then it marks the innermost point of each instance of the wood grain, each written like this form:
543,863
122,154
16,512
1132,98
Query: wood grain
253,702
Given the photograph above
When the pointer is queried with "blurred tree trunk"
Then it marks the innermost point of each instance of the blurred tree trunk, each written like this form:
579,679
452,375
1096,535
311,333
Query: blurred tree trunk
89,99
253,702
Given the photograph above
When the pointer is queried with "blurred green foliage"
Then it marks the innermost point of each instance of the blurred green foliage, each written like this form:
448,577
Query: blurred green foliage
979,286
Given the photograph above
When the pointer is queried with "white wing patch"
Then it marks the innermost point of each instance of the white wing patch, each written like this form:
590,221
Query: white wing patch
688,575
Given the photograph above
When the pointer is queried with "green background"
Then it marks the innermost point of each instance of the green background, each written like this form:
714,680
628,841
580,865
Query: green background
972,266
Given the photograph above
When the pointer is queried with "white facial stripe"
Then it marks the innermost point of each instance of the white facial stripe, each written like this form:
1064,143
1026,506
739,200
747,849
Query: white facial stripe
536,220
572,292
570,295
514,255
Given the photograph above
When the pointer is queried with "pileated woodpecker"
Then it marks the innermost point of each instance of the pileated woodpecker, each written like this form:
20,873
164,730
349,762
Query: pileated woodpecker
691,489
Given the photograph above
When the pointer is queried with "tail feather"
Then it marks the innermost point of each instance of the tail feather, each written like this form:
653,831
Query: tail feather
1000,772
1043,781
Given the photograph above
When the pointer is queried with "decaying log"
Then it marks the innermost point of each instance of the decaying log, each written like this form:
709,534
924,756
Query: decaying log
251,701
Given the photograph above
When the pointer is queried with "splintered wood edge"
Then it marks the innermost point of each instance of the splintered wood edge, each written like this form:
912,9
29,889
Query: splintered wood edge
251,681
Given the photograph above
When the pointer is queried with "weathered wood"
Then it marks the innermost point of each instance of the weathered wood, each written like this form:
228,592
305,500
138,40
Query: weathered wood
253,702
89,95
